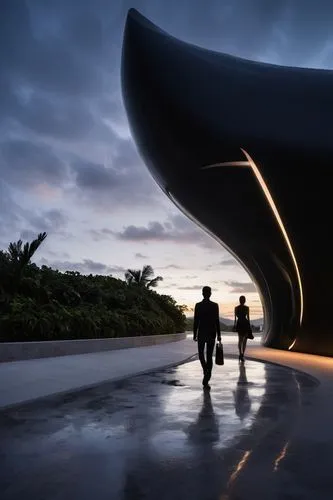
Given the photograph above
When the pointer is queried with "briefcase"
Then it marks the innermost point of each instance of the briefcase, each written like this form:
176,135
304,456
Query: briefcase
219,356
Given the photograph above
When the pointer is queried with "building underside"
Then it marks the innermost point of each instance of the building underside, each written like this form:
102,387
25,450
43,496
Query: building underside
243,149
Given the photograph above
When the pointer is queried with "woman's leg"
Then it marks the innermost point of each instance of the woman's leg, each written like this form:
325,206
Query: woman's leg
244,344
240,347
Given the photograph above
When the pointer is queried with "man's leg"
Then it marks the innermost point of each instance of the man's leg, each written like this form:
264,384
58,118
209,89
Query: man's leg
210,350
201,352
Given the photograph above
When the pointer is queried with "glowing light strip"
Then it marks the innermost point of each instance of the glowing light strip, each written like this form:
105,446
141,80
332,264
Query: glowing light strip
272,205
228,164
279,220
292,345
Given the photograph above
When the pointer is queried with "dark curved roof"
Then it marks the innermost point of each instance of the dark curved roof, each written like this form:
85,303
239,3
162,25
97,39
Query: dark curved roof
188,108
259,100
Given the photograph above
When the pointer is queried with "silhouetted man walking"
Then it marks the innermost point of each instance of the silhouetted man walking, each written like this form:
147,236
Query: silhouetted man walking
205,328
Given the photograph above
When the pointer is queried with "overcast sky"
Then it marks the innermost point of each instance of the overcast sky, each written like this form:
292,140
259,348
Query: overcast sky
68,165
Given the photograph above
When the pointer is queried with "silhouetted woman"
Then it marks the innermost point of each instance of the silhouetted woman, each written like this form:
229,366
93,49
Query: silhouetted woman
242,325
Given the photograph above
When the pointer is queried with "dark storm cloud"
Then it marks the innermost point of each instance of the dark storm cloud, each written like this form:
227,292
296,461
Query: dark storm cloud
49,221
174,286
59,84
241,287
120,173
55,69
100,234
62,58
11,214
86,266
18,223
121,182
62,117
159,232
97,235
28,235
191,233
39,44
96,177
126,156
292,32
139,255
58,255
155,231
170,266
227,262
24,163
176,228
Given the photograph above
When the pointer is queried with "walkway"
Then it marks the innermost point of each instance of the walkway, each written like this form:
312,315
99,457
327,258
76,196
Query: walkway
264,431
160,436
23,381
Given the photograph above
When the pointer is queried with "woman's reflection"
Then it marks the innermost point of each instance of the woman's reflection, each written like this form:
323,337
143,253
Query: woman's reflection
205,429
241,395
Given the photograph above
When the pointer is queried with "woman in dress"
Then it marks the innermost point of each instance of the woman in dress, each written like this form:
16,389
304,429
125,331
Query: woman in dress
242,326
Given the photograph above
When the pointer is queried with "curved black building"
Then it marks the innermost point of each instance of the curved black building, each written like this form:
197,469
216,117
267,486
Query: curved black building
244,149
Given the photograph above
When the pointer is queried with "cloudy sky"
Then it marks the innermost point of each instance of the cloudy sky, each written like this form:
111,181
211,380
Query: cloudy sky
68,165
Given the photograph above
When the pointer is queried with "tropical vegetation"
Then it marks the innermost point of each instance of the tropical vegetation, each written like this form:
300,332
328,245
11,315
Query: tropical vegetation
143,278
41,303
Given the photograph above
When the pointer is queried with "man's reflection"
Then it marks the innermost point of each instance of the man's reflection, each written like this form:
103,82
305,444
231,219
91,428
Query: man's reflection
205,429
241,395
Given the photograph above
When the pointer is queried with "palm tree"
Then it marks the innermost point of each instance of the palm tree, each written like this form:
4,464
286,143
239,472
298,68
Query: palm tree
20,256
142,277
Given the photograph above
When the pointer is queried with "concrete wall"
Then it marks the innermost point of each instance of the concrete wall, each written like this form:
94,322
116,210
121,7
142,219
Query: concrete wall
17,351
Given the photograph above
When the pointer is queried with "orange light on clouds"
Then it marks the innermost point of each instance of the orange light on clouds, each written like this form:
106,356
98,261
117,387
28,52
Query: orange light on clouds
46,192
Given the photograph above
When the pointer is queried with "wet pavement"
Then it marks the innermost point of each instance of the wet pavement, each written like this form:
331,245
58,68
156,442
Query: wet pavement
160,436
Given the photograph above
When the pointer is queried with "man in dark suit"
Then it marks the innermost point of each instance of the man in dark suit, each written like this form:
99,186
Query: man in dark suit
206,326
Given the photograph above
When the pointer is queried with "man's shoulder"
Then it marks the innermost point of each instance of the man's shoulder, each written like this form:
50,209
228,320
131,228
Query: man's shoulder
205,303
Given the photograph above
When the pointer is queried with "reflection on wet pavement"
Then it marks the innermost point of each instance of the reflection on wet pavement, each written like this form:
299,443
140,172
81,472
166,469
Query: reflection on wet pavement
160,436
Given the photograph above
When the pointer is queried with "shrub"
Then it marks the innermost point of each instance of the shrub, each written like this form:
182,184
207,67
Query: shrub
45,304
